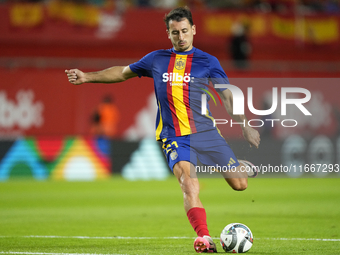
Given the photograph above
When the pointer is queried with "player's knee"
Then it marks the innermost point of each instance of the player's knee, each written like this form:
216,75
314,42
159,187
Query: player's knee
240,185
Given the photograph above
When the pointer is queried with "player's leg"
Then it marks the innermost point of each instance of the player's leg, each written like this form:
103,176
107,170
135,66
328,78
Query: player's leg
181,158
193,206
189,185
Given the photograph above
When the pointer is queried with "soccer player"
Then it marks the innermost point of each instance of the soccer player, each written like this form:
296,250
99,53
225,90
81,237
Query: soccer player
186,133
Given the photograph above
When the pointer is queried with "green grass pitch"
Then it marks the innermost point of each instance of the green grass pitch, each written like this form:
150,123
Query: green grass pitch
286,216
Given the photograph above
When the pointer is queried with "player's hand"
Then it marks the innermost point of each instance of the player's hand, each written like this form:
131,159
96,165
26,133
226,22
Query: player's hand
75,76
252,136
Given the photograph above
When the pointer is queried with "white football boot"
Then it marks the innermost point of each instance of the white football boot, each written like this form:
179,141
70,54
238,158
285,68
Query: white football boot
251,169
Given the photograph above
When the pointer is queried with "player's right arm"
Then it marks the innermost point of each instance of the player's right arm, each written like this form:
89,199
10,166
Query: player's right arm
111,75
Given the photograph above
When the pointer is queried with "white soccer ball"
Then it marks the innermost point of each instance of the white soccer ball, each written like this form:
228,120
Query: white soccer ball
236,238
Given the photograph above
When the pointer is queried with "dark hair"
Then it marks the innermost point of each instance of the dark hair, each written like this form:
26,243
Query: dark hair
178,14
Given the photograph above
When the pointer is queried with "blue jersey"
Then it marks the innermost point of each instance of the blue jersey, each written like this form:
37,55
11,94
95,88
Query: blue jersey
179,80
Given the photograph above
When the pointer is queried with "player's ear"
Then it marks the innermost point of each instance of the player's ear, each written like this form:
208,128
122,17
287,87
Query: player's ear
193,29
168,33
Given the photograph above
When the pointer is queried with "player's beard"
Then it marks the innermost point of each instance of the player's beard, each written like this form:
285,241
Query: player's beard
184,47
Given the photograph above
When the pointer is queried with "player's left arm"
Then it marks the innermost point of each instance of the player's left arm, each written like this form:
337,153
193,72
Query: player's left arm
249,133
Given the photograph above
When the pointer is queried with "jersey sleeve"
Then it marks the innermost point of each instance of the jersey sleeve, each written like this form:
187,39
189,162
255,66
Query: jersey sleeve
217,74
143,67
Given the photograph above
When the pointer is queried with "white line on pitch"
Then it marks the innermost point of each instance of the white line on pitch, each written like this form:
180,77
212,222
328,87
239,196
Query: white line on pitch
101,237
300,239
170,237
48,253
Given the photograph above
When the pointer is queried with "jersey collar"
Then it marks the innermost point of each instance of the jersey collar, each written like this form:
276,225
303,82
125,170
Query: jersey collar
184,52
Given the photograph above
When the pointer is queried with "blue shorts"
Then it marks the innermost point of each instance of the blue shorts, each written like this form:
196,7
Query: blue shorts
209,147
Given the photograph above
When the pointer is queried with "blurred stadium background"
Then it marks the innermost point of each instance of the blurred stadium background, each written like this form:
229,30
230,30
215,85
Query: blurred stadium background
49,128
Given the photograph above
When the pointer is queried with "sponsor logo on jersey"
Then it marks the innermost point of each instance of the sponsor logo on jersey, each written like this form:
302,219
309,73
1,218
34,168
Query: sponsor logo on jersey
177,79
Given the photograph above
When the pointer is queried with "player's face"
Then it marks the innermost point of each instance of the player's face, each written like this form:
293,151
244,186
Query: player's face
181,34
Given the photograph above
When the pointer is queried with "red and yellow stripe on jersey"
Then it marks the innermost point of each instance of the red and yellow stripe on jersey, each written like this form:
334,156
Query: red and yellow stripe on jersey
179,95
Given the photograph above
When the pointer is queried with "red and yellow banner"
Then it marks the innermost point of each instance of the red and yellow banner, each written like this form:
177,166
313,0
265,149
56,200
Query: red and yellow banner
66,29
317,29
58,18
